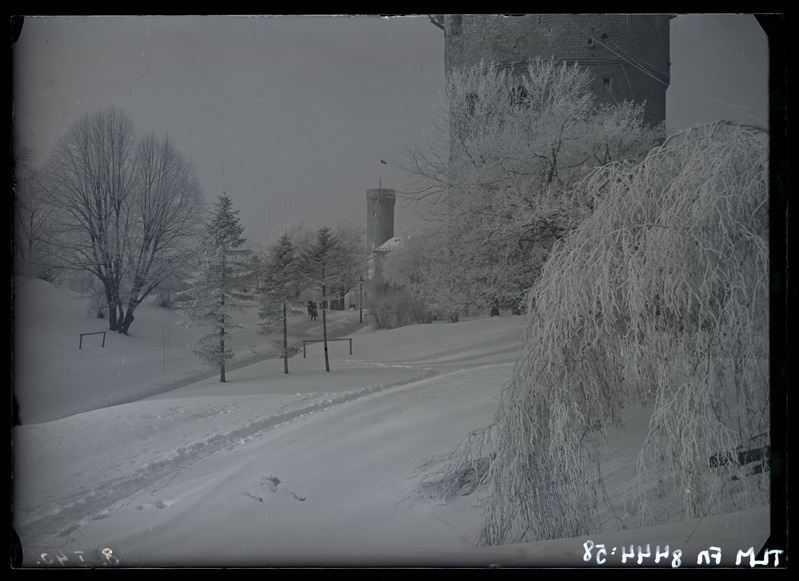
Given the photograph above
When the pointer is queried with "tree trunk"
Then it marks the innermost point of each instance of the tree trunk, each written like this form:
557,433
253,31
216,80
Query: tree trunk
133,302
112,317
324,320
222,340
222,357
285,341
112,307
324,334
125,324
123,327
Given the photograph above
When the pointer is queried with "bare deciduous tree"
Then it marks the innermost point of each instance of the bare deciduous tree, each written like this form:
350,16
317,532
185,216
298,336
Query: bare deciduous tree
125,209
90,180
167,208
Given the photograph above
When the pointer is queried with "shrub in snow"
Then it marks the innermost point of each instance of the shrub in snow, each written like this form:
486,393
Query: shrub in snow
96,306
660,298
394,307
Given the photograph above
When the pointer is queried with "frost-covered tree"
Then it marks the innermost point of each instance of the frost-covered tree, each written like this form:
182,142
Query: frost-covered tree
280,282
495,165
346,267
220,286
32,217
124,209
421,265
658,300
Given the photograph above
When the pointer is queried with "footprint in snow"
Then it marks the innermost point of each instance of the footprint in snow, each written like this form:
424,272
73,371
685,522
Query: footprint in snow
154,505
272,484
270,481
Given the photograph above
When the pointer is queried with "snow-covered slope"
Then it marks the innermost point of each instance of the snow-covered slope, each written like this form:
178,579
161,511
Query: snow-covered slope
57,377
267,469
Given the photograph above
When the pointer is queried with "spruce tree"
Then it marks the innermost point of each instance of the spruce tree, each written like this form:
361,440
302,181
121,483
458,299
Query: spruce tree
280,281
318,260
220,286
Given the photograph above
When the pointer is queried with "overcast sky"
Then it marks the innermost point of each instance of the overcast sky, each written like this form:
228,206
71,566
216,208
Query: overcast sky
295,113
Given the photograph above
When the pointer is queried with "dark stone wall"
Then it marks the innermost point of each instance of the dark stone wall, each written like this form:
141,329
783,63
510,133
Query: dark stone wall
628,55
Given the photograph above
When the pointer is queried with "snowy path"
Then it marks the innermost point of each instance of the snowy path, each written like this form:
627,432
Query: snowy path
334,487
149,441
291,458
60,516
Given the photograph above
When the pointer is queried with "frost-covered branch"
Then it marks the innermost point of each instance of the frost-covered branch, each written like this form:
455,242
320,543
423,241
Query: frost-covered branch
660,299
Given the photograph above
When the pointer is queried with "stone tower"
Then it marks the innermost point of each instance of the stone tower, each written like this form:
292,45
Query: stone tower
379,217
628,55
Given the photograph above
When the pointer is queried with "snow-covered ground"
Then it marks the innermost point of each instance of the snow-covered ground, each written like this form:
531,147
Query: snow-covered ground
267,469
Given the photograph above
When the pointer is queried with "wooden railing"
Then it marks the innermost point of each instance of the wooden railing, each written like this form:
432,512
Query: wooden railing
306,341
80,343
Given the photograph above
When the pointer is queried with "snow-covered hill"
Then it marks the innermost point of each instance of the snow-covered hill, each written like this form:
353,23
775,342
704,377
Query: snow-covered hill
267,469
59,375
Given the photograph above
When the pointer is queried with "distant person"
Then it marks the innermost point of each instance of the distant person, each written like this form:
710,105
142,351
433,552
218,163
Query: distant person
311,308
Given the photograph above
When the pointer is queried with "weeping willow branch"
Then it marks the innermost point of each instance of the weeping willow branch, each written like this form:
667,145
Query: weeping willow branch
658,299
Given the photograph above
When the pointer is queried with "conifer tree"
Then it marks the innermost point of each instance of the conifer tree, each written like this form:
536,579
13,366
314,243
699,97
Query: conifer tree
280,279
220,286
319,261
